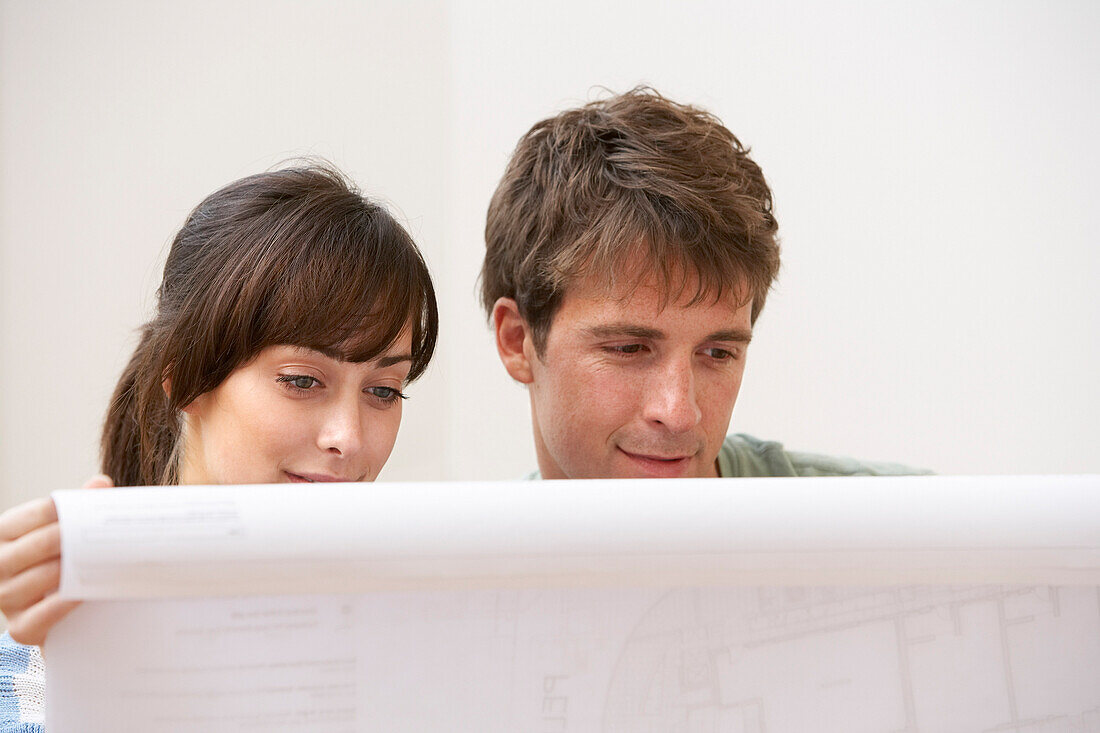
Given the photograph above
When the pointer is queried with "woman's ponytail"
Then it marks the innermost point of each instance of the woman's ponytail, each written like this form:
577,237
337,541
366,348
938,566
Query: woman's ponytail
141,431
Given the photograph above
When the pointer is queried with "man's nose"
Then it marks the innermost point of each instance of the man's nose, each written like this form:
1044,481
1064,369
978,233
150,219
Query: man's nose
671,400
342,429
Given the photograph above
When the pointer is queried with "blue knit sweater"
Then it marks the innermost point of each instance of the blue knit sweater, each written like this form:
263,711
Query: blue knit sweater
22,687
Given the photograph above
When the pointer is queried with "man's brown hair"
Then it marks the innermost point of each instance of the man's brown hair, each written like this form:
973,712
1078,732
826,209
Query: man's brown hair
633,183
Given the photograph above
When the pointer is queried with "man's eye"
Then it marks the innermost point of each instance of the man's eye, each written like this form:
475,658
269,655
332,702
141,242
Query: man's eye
627,348
719,354
301,382
387,394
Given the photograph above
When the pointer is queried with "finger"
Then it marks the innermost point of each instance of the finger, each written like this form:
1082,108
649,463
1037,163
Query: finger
32,626
29,587
29,550
99,482
21,519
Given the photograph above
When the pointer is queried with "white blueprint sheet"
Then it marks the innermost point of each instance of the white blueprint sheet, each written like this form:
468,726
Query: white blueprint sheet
912,605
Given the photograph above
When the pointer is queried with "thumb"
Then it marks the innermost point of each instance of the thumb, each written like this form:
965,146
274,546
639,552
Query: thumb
99,482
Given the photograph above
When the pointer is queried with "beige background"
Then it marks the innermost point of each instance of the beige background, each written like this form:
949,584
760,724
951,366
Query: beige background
935,172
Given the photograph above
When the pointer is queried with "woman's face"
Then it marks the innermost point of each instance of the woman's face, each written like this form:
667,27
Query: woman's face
293,414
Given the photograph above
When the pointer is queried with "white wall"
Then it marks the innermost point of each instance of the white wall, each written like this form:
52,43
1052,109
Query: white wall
934,169
117,118
935,173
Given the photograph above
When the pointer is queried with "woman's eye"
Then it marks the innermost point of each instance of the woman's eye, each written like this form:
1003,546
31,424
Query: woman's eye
387,394
301,382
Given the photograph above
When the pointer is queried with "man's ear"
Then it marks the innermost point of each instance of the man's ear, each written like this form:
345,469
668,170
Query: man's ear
514,340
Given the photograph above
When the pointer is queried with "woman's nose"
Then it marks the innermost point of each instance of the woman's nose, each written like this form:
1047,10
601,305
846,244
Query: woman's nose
342,430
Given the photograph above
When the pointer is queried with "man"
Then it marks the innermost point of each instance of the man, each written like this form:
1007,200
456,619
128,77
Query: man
630,247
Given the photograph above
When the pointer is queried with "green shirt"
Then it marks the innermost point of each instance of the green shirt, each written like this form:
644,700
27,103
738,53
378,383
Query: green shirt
743,456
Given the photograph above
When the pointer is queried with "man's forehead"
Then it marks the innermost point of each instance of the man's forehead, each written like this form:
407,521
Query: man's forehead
651,309
649,291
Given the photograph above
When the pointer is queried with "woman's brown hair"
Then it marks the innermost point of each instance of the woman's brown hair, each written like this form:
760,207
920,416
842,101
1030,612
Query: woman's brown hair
294,256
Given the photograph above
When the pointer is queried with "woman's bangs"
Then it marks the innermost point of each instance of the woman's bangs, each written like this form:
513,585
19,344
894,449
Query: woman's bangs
355,315
337,274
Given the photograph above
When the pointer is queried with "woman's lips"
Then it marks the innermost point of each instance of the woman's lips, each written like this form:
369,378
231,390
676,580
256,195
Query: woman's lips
314,478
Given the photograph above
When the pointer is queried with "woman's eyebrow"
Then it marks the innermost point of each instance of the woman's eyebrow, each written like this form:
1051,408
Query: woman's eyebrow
387,361
338,355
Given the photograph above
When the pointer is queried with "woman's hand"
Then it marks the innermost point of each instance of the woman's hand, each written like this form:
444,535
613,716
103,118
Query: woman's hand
30,567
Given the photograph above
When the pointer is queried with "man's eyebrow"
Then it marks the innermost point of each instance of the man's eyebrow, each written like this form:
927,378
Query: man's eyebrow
618,330
733,334
632,330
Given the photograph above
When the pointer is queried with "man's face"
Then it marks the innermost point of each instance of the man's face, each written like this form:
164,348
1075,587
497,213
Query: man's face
626,388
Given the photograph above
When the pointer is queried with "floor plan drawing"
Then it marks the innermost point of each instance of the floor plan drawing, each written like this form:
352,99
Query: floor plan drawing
915,605
887,660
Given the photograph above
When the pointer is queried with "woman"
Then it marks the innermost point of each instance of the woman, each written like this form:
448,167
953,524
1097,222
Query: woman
291,315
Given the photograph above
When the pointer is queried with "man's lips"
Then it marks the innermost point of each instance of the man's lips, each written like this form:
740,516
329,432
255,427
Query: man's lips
668,466
663,459
315,478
